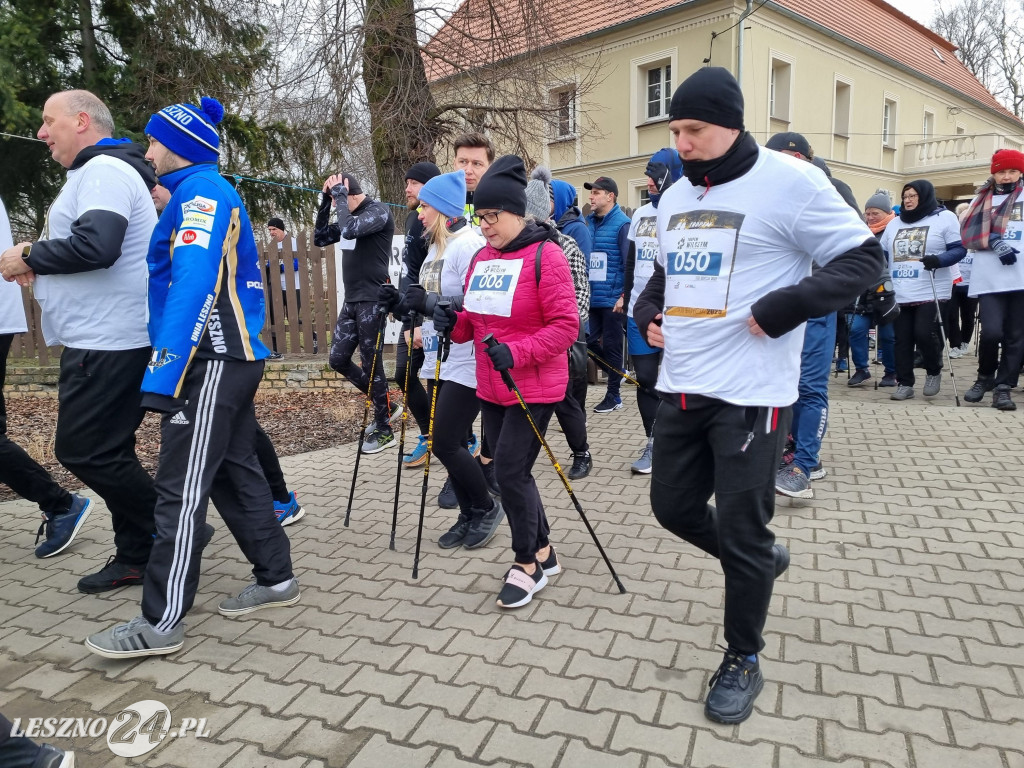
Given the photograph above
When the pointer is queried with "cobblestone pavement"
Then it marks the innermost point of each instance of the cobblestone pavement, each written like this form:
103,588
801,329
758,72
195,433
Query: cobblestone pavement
895,639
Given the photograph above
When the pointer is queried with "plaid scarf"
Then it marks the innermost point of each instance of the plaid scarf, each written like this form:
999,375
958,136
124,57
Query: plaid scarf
982,222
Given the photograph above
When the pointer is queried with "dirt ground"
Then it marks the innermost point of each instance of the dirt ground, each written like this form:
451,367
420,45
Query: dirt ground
297,421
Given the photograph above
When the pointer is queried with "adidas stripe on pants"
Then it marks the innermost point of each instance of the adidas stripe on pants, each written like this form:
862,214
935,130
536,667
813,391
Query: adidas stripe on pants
207,451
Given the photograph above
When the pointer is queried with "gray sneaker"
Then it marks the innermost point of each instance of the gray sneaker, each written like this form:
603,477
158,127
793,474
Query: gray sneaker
642,466
254,597
134,639
378,440
932,384
903,392
794,483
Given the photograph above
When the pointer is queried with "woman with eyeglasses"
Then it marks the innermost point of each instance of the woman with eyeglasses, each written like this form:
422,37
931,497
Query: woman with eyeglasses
452,245
519,289
923,239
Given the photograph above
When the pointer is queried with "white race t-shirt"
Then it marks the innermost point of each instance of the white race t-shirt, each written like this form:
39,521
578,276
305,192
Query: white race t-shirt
989,274
906,244
966,265
723,253
294,267
643,231
12,310
104,308
447,277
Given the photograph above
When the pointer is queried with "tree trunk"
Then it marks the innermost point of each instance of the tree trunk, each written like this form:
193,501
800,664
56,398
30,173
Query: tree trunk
89,58
403,130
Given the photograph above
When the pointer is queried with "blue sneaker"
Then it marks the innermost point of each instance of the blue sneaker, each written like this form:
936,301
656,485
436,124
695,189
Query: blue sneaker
474,445
60,529
290,512
418,455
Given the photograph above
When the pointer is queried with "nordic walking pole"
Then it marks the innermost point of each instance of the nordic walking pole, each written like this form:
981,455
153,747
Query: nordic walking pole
442,352
383,315
605,364
401,440
490,341
942,332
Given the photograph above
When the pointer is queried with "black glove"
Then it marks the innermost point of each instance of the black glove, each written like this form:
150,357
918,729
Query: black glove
387,296
415,299
659,173
444,318
501,357
151,401
1006,252
930,262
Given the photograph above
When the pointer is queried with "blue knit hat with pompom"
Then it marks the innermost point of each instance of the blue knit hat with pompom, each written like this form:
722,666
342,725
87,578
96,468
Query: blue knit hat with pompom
188,130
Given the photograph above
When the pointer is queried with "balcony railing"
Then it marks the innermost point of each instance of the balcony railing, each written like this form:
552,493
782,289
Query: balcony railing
951,152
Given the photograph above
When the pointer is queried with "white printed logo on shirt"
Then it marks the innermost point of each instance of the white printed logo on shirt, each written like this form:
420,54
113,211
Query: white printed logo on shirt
197,220
699,259
199,204
492,286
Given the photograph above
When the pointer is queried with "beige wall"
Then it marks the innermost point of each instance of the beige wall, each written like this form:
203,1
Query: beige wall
619,142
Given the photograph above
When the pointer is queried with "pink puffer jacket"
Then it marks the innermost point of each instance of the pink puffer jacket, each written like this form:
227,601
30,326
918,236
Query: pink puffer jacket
539,331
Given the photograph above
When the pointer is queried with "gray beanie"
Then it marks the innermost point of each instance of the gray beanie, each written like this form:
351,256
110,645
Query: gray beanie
879,200
538,201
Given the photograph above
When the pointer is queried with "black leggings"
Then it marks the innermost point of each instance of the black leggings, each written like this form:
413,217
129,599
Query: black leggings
456,410
416,396
916,324
515,450
960,317
357,326
646,367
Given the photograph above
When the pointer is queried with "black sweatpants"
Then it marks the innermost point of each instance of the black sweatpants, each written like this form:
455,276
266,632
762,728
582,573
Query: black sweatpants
960,311
704,450
917,324
99,408
604,339
266,454
515,450
415,396
1002,322
19,471
456,410
16,751
646,367
358,323
207,452
573,420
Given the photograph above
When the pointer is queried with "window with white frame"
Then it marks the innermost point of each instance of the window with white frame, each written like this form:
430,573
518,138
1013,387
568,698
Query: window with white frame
563,121
780,89
841,115
889,123
928,125
659,91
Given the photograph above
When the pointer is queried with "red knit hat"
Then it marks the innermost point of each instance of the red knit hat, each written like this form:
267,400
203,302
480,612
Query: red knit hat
1007,159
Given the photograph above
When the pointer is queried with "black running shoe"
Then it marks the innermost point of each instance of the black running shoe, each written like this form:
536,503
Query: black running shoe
111,576
483,525
582,463
492,483
446,499
733,689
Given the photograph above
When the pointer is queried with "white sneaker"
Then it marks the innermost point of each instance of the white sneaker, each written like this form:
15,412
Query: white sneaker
955,353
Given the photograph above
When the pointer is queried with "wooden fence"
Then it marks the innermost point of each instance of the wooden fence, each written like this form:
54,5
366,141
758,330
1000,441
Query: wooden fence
307,305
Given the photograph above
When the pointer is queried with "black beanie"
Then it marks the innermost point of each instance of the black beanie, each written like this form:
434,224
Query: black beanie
503,186
711,95
423,172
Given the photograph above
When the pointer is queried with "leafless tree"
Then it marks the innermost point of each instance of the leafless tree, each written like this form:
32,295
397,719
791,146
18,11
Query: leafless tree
990,42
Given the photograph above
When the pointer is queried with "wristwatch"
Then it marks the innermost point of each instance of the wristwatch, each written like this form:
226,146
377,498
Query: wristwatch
25,252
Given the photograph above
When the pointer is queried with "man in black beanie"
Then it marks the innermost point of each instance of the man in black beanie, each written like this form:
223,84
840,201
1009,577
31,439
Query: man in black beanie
731,291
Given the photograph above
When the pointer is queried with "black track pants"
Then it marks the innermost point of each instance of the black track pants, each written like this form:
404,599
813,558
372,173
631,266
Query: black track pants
207,452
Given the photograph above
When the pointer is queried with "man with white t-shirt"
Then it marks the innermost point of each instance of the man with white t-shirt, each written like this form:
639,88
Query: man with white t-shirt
731,290
90,274
63,513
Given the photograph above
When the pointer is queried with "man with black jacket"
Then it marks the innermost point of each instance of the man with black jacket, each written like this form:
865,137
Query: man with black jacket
364,267
731,289
90,272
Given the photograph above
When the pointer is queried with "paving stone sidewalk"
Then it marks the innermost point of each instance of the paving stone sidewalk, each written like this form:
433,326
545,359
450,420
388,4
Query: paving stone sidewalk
895,639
